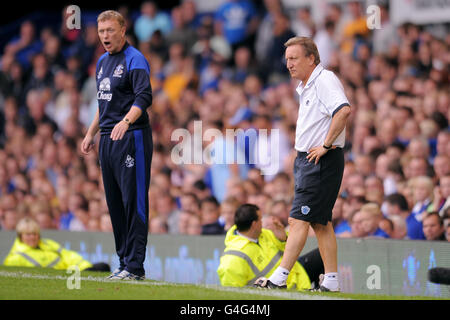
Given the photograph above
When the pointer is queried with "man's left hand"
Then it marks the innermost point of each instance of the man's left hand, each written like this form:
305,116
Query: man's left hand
119,130
314,154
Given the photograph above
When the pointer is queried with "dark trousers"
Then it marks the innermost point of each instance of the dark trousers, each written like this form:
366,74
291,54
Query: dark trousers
125,168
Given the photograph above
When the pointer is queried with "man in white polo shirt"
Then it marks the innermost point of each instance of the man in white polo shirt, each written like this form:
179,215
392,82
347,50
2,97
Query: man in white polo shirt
318,168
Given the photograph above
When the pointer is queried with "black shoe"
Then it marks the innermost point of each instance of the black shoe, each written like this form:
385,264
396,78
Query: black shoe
126,275
267,284
323,289
114,273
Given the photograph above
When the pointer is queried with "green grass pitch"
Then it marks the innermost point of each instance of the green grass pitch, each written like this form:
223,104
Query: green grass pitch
48,284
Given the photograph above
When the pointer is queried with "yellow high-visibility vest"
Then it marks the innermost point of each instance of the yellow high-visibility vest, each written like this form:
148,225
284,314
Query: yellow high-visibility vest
48,254
243,261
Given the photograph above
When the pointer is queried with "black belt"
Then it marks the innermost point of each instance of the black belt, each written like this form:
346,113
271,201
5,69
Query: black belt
302,154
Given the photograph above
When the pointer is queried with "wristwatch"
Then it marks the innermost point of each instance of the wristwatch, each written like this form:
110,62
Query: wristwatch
328,148
127,121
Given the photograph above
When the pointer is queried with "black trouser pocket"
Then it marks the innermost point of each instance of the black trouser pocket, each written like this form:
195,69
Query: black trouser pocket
307,175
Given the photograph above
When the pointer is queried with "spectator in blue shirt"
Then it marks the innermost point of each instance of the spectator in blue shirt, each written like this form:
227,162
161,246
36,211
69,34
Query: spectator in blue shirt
237,21
338,220
24,46
350,205
422,188
370,217
274,66
151,20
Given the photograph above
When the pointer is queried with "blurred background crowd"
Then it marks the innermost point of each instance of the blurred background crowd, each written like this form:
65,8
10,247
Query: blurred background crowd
226,68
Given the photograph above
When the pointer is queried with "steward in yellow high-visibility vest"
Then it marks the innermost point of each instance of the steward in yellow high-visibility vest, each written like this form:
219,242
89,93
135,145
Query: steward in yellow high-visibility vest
48,253
252,252
29,250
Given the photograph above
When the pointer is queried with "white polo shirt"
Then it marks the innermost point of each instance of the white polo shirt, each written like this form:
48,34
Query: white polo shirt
319,100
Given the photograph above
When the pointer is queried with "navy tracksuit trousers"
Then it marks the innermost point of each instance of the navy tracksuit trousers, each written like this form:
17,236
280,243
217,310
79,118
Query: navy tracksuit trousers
125,168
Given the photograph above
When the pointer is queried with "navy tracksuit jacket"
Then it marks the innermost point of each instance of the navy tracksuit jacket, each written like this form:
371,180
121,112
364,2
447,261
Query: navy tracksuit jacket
123,80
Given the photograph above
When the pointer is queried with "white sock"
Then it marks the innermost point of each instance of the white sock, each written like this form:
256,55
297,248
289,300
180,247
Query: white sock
331,281
279,276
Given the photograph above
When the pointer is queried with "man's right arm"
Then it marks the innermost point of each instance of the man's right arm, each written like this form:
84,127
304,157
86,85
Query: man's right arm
88,141
233,271
274,224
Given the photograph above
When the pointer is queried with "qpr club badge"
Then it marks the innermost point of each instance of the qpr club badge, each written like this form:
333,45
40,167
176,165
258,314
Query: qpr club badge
305,210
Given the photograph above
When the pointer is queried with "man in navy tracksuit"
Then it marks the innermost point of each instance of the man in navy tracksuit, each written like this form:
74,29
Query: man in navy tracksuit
125,150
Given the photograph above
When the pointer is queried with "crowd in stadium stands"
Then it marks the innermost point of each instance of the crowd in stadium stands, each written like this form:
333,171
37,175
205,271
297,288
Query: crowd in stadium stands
227,70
